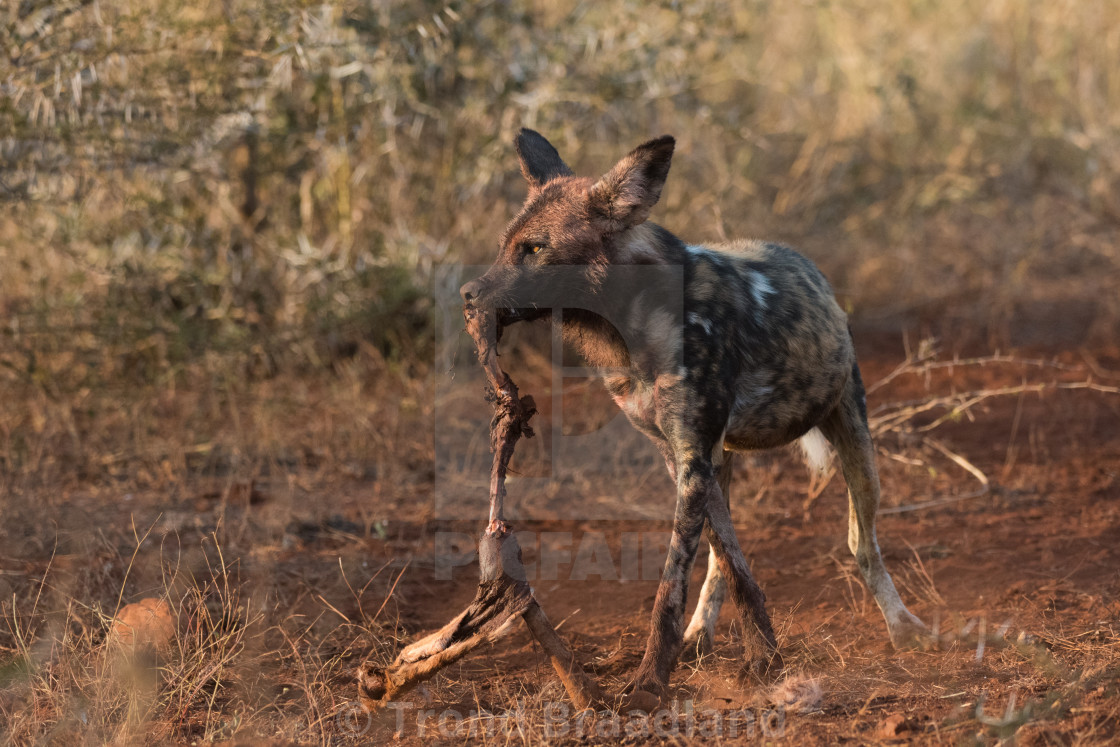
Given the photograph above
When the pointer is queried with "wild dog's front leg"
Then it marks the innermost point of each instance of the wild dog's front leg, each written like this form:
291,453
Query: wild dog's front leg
696,486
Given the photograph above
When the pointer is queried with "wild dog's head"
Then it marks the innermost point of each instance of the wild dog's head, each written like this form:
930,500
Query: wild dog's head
569,230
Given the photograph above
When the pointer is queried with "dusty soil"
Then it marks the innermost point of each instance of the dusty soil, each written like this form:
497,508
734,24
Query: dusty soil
1031,568
309,572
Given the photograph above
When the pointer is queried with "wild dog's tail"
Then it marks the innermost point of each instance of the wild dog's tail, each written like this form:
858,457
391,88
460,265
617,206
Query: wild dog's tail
816,451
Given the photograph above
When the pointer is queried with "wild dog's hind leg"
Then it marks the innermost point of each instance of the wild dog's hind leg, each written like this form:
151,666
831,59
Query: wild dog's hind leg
846,428
700,633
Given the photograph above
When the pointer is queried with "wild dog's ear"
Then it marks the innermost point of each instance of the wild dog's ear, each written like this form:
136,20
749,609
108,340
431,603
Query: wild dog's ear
626,194
540,163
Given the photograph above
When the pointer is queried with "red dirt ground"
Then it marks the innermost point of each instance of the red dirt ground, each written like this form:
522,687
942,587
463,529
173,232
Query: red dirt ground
1032,567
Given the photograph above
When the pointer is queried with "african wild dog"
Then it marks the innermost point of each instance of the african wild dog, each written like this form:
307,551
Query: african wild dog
760,355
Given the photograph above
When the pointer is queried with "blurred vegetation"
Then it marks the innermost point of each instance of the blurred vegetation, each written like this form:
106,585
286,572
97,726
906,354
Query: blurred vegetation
200,192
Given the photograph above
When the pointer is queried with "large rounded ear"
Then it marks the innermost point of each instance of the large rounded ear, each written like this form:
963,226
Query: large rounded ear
626,194
540,163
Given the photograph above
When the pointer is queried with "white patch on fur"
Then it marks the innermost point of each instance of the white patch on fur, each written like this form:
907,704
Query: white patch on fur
695,250
661,329
637,405
706,614
798,692
694,318
815,448
760,289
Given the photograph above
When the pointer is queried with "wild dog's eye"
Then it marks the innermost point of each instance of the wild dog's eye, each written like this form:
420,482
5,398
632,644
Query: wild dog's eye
534,249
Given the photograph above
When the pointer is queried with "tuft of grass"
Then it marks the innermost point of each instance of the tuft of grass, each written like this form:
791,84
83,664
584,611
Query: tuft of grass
245,661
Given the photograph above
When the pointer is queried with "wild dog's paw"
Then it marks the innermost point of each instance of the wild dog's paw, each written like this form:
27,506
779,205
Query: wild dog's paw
762,668
698,643
909,633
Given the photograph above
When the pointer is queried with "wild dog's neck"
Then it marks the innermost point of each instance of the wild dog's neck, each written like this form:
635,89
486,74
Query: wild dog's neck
598,338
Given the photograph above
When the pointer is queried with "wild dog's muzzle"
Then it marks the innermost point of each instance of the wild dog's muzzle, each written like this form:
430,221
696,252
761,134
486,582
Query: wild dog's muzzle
470,291
518,306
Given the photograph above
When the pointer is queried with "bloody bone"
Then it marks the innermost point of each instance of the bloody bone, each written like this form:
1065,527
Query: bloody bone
503,593
511,414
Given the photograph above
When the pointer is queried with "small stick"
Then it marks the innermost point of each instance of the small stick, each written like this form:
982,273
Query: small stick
959,460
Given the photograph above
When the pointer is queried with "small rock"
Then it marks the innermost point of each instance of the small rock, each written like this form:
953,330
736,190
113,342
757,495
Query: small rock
894,725
149,622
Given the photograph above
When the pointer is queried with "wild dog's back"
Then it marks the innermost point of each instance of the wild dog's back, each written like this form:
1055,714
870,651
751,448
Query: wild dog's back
763,326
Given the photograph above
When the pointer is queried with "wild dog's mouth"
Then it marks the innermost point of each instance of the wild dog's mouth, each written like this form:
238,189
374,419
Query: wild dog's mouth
508,308
510,315
516,295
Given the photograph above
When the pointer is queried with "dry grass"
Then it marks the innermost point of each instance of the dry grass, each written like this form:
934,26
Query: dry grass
254,652
277,603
